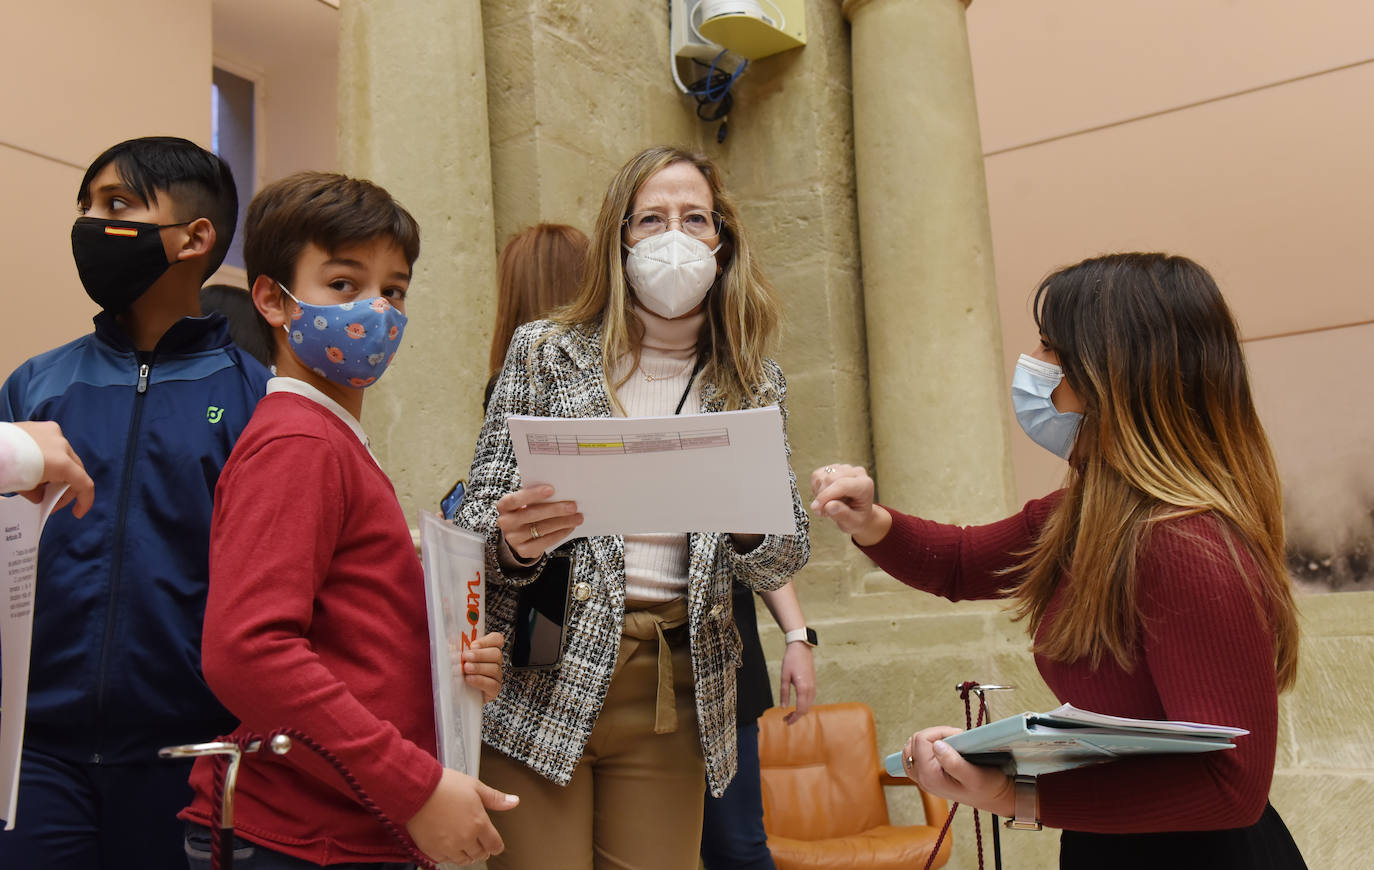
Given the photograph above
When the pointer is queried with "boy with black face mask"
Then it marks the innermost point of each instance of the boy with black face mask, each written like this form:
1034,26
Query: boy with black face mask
153,401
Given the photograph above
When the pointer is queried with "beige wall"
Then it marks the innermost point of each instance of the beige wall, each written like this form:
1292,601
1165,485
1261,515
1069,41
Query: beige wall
292,46
86,74
80,77
570,97
1227,132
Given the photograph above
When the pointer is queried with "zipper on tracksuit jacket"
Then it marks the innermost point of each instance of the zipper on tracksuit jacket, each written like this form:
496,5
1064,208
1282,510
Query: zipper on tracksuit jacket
117,554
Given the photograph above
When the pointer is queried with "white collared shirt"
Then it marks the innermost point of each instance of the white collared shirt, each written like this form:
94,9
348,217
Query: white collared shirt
283,384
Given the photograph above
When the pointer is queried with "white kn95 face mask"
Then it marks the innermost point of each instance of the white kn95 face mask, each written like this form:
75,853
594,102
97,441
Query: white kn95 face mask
671,272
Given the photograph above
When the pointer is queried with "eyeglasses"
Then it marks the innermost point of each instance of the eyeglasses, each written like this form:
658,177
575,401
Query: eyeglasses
698,224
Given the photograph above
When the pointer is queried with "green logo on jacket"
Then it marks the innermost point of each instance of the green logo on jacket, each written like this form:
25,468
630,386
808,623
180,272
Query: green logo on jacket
213,414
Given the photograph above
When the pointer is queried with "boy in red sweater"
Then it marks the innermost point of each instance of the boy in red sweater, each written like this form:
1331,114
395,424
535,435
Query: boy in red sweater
316,611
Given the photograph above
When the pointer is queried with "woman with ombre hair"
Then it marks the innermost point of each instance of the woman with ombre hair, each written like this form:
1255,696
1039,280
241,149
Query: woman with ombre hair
610,749
539,270
1153,584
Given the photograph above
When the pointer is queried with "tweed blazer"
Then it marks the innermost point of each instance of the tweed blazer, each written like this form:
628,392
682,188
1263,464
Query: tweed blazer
545,717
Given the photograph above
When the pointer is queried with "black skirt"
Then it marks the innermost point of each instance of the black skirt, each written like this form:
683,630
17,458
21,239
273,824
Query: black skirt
1265,845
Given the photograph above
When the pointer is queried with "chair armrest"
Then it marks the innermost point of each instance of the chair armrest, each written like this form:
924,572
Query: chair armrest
936,808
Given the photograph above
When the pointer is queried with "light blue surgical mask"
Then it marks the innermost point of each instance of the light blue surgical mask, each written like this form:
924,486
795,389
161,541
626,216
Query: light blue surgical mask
1031,386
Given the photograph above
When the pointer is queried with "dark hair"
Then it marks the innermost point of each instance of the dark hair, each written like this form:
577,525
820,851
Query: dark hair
249,331
326,209
199,183
539,270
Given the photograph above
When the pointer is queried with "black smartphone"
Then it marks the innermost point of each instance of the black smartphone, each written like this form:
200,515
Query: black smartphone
448,505
541,611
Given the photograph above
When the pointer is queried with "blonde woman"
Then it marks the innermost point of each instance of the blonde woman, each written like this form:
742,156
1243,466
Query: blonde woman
609,750
1153,584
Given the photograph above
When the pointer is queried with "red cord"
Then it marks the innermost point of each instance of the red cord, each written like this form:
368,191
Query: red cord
397,833
964,689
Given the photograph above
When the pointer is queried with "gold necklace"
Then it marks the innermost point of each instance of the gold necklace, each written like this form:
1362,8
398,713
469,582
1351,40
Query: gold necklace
677,374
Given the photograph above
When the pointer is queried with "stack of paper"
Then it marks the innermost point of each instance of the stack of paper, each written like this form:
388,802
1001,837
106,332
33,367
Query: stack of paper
1030,744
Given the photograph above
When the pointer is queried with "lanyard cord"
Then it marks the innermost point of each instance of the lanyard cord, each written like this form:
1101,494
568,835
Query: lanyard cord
696,369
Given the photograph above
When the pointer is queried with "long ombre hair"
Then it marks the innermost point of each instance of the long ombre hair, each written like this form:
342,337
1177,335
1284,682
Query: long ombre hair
539,270
1169,430
742,311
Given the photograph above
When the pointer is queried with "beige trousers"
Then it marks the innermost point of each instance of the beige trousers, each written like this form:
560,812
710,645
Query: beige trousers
635,799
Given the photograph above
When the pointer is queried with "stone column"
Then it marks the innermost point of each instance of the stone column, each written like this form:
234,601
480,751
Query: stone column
937,391
413,118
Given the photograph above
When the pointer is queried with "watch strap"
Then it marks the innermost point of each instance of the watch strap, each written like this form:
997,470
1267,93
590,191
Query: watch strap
805,634
1027,816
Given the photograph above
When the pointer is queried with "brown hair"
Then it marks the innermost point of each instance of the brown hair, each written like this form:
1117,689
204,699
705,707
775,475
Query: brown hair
1169,430
742,310
327,209
539,270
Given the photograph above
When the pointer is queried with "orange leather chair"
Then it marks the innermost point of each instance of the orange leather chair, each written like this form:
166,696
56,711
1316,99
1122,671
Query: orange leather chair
823,802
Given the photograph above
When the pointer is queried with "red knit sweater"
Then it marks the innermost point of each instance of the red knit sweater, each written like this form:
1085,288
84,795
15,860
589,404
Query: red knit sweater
316,621
1203,655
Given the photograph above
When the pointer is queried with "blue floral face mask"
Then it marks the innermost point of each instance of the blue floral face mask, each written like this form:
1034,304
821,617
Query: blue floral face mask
1031,386
351,343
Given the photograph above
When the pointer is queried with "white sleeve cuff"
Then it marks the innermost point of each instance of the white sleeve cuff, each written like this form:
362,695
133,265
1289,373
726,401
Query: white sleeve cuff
21,460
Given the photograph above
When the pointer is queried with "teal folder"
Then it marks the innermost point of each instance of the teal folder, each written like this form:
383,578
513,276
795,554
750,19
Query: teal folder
1030,744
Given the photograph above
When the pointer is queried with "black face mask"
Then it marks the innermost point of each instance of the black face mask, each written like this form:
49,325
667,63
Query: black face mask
118,260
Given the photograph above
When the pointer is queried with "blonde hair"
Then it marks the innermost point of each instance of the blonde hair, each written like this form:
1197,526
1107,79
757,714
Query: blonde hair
539,270
742,310
1169,431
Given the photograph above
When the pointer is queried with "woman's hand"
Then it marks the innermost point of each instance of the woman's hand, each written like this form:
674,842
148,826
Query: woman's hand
844,494
482,664
60,465
940,770
798,672
531,524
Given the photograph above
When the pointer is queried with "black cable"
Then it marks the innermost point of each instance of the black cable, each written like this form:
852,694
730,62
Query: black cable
712,93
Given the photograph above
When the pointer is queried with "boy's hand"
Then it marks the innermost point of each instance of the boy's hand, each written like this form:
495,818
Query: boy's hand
482,664
453,825
60,465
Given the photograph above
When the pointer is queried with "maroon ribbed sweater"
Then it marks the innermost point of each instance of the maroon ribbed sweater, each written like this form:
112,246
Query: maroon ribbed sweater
1204,655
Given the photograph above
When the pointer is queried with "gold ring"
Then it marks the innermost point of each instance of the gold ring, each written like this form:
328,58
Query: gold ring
534,531
910,759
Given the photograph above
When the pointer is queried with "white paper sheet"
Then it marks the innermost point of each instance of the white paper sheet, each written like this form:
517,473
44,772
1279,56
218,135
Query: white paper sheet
723,472
455,590
22,522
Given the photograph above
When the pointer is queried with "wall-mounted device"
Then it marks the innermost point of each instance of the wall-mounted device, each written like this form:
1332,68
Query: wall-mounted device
699,30
752,28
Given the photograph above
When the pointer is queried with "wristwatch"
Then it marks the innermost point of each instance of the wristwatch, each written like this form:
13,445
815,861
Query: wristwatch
804,634
1027,816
